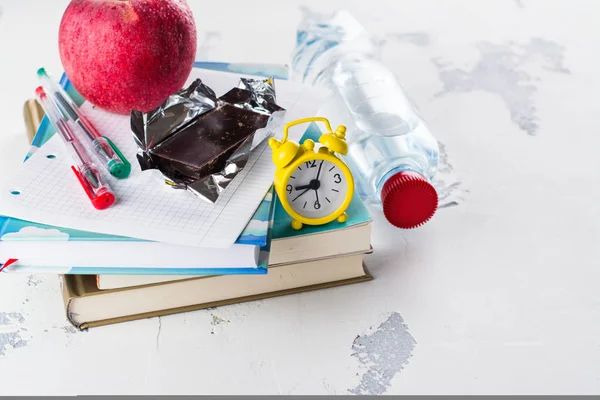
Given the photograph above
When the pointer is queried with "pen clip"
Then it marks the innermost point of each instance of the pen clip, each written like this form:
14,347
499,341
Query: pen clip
100,201
126,169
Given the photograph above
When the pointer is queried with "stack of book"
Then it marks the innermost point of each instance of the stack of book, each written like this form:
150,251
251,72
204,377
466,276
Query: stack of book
109,279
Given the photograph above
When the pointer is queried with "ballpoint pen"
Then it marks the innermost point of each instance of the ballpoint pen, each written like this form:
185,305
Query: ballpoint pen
112,158
96,189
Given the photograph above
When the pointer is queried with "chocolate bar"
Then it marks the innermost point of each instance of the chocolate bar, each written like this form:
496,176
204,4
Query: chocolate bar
203,147
200,142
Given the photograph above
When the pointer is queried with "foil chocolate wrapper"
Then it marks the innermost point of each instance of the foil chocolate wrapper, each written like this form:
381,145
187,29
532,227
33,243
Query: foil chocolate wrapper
200,142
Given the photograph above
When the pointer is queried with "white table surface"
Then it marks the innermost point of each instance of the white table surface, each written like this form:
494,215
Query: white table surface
499,294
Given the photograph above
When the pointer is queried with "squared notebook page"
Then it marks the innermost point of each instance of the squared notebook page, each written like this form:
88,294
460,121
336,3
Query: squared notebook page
45,190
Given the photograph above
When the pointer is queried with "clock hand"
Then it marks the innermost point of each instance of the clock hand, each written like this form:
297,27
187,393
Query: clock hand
300,194
317,194
302,187
319,171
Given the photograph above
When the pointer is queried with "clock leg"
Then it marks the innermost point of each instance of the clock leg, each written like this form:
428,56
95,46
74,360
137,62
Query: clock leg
343,218
297,225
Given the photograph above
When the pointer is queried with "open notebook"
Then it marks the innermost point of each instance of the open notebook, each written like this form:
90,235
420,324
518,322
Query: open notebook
44,190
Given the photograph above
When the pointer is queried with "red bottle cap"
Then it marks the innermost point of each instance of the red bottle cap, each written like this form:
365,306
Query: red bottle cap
408,200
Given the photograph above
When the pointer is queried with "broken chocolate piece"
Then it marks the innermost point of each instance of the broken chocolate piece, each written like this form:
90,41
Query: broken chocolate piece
202,148
200,142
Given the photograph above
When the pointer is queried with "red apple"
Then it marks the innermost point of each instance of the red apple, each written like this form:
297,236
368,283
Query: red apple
124,55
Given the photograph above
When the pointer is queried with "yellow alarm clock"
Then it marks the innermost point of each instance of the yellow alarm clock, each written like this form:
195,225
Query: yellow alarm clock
314,186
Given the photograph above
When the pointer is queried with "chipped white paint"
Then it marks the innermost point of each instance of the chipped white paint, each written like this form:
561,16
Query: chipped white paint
502,71
383,352
499,293
11,329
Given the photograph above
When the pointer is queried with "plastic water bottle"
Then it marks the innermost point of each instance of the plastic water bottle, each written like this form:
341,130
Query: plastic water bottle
392,154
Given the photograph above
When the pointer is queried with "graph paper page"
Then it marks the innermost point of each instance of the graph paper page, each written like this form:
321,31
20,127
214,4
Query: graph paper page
46,191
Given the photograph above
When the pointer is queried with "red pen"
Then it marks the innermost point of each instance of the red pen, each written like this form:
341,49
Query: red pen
94,186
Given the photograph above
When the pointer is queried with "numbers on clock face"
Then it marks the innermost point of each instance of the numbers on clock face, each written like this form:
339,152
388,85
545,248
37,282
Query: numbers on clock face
316,189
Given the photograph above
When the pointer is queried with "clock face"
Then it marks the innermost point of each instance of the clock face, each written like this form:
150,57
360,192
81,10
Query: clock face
316,189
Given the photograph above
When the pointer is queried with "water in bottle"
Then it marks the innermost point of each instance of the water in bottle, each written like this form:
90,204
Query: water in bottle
392,154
